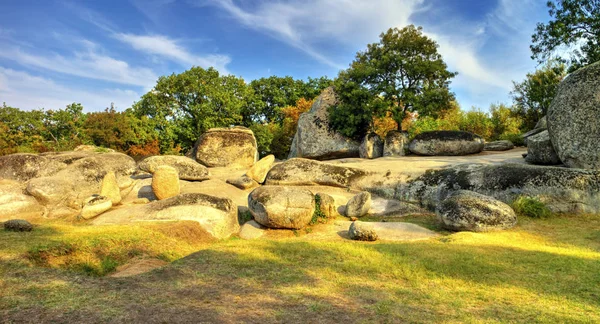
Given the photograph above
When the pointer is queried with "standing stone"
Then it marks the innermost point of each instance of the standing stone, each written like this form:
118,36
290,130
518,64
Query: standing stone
165,182
95,206
540,150
371,147
282,207
258,172
314,139
110,188
359,205
361,231
396,143
226,147
574,119
326,205
446,143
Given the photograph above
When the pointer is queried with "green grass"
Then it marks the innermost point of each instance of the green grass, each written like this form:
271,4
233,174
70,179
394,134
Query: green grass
531,207
543,270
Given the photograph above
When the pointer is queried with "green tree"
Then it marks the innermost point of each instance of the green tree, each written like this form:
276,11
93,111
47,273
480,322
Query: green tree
64,126
401,73
22,130
575,25
505,121
532,97
183,106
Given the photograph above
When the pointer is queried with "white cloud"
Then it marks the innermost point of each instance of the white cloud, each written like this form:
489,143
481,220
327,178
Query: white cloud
23,90
169,48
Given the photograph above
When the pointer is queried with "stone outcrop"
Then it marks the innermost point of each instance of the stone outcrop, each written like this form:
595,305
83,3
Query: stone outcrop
187,168
165,182
446,143
465,210
314,139
540,150
359,205
371,147
304,172
226,147
503,145
361,231
282,207
24,166
574,119
258,172
396,143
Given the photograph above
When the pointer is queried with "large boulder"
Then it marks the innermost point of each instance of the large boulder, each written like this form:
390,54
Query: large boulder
23,166
396,143
314,139
574,119
216,216
466,210
371,147
503,145
359,205
187,168
563,190
258,172
540,150
282,207
165,182
226,147
304,172
446,143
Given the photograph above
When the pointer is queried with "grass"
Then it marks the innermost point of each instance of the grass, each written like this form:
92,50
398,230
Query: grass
531,207
543,270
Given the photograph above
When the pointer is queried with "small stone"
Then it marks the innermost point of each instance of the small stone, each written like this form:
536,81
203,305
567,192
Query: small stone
251,230
361,231
258,172
326,205
353,218
110,188
165,182
95,206
18,225
243,182
359,205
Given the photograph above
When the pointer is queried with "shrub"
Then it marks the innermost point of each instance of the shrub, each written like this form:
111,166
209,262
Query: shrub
531,207
516,139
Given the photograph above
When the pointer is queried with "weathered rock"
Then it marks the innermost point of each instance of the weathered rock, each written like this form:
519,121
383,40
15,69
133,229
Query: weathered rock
110,188
258,172
23,167
540,150
542,123
18,225
466,210
244,182
251,230
359,205
563,190
282,207
304,172
503,145
165,182
95,206
371,147
14,203
540,126
314,139
446,143
216,216
396,143
93,148
326,205
226,147
573,119
361,231
187,168
67,157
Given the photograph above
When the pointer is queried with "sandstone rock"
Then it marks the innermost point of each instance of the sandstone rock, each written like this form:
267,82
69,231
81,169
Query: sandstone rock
165,182
244,182
304,172
326,205
446,143
110,188
187,168
573,119
95,206
251,230
258,172
503,145
371,147
469,211
361,231
314,139
14,203
396,143
359,205
282,207
23,167
216,216
18,225
540,150
226,147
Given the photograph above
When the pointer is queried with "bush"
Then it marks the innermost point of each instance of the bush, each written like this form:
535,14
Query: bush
531,207
516,139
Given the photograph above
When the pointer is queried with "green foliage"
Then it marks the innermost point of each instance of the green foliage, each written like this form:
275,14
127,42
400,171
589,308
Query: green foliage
575,25
477,122
505,121
531,207
264,133
318,216
245,217
516,139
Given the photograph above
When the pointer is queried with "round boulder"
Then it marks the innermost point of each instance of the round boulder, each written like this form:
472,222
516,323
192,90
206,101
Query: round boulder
573,119
503,145
359,205
187,168
282,207
165,182
396,143
18,225
225,147
446,143
371,147
470,211
361,231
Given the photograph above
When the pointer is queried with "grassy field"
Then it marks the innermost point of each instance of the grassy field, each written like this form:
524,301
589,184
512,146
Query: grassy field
543,270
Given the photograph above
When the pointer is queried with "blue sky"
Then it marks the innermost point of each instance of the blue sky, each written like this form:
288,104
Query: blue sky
96,52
